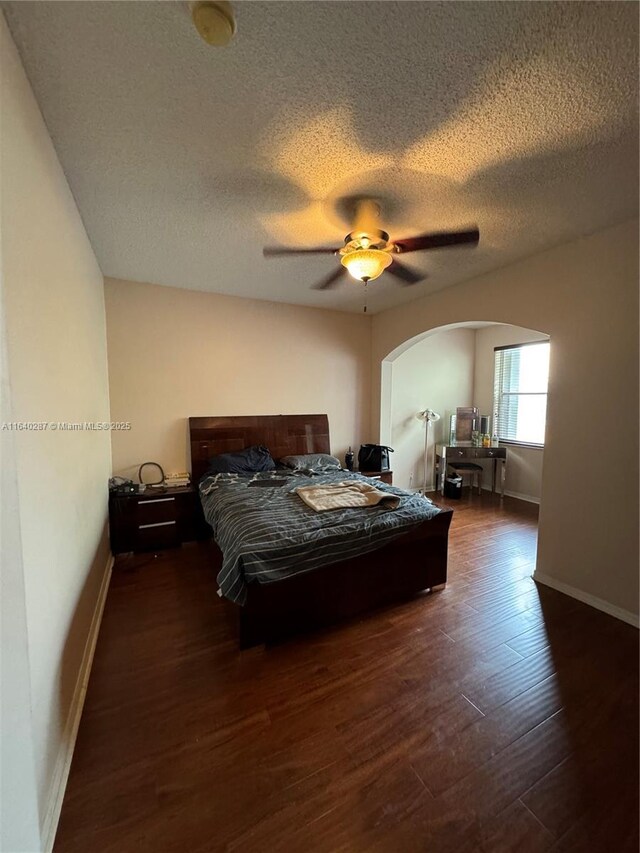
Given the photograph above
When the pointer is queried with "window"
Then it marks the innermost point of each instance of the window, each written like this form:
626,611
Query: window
520,392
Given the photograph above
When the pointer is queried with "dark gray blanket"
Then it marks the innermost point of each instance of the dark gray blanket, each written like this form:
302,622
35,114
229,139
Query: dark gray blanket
268,533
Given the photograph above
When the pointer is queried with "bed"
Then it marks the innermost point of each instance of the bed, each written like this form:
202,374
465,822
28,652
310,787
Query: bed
391,564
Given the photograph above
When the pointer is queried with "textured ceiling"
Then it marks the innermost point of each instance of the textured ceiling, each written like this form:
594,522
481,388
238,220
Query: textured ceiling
185,159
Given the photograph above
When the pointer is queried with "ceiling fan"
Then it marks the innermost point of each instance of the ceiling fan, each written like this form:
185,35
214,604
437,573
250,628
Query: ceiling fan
367,252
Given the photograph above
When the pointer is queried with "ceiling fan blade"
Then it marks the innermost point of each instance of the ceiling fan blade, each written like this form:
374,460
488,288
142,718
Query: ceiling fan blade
406,275
438,241
331,280
276,251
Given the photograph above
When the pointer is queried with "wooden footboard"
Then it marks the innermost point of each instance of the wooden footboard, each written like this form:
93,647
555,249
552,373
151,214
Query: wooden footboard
410,564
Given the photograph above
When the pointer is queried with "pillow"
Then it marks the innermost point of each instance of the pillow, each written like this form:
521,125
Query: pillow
247,461
312,462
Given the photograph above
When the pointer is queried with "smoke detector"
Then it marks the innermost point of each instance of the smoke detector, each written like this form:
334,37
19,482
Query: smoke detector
214,21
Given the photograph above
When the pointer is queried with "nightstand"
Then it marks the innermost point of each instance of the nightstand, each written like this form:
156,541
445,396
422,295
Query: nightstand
385,476
155,519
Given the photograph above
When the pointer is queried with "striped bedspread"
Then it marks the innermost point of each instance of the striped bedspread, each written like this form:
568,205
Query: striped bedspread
267,533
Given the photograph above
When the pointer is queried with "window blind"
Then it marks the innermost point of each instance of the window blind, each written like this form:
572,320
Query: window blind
520,392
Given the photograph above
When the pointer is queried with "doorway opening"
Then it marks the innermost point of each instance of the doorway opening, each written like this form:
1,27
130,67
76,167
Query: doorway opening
493,367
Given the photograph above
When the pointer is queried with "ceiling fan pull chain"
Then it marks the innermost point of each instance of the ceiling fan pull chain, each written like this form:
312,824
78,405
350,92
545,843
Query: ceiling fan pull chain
365,296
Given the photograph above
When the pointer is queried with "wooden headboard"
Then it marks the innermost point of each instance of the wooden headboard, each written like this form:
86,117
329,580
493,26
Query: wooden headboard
283,435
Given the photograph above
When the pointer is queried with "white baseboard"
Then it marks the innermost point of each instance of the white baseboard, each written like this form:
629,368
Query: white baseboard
532,499
529,498
599,603
65,753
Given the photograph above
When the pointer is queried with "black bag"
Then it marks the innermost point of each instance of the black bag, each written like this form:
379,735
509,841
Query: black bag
374,457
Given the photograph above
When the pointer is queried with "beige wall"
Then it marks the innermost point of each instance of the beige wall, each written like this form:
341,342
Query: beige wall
524,469
436,373
56,368
583,294
19,822
177,353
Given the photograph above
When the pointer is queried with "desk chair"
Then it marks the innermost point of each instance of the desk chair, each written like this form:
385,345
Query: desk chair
474,471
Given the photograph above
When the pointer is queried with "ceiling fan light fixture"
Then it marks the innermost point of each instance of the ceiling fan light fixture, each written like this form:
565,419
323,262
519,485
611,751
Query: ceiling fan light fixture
366,264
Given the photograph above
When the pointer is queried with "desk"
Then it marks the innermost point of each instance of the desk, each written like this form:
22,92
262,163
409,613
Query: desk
446,454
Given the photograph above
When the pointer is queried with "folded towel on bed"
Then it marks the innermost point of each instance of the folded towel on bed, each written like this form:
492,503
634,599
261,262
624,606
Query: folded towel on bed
345,494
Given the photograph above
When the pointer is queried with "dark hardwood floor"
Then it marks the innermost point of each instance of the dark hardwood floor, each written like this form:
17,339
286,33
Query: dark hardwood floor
492,716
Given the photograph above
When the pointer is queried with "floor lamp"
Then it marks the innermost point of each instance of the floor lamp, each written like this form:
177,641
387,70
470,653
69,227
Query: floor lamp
429,416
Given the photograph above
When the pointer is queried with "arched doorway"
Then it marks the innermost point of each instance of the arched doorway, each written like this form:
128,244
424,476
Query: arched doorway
446,367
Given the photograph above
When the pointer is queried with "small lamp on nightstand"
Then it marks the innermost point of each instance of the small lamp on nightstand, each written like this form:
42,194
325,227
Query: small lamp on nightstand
428,416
